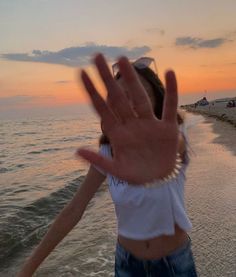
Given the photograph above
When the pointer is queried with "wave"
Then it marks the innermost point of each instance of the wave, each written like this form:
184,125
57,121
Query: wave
29,224
68,139
4,170
20,166
45,150
29,145
76,138
12,168
25,133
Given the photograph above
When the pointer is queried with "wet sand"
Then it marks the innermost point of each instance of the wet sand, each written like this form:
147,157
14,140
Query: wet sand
211,197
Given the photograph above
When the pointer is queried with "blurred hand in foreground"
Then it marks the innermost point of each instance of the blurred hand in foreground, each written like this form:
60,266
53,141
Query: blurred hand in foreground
144,147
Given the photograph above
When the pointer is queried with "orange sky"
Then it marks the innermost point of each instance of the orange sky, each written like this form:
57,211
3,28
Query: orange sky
197,40
194,72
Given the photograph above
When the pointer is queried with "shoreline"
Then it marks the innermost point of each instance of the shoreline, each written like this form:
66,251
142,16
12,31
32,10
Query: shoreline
215,110
223,117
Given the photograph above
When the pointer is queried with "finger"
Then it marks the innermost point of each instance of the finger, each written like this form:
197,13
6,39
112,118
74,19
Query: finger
136,90
171,97
99,104
98,160
117,98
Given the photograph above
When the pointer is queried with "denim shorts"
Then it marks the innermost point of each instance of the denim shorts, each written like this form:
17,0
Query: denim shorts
180,263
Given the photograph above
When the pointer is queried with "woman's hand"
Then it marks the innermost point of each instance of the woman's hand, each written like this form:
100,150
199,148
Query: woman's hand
144,147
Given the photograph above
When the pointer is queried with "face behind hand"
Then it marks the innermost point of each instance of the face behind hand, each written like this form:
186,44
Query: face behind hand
145,84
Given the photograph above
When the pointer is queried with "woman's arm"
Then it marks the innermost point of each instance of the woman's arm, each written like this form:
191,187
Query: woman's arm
64,222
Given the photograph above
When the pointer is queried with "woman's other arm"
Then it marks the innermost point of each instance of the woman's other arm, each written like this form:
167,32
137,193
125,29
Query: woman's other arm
64,222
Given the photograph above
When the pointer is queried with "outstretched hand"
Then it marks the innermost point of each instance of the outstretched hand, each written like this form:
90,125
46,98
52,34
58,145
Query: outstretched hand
144,147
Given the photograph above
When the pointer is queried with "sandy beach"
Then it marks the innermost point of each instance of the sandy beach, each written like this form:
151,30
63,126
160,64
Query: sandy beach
216,108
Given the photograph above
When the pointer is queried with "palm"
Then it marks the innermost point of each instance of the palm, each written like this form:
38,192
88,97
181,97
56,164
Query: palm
144,148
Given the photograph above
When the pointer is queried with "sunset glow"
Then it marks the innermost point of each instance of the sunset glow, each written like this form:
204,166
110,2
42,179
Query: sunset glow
45,43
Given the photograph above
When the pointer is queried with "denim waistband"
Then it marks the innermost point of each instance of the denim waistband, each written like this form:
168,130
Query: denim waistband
126,254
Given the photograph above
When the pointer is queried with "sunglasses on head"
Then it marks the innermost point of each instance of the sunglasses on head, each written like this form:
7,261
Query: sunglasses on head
140,63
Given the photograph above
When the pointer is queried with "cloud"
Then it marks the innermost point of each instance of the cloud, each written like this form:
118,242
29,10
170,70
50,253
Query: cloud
63,82
76,56
197,43
21,99
156,31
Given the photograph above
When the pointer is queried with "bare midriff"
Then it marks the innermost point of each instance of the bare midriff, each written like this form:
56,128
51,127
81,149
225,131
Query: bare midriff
155,248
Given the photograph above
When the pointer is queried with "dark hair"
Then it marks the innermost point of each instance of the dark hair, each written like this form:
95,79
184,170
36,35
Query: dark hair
159,91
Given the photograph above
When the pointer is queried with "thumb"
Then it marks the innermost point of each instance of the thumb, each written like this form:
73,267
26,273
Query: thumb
95,159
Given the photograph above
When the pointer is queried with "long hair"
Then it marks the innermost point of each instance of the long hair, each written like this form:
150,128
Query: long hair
158,90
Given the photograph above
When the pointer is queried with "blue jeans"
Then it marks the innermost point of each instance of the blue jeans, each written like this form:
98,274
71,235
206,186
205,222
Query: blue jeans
179,263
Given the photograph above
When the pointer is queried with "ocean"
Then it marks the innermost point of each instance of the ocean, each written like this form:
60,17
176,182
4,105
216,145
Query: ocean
39,174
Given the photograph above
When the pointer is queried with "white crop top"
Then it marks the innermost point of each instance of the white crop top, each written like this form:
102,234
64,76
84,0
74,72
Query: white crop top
144,213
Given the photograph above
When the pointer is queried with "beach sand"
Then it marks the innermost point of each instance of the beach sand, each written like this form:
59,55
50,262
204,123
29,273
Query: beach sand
215,109
211,197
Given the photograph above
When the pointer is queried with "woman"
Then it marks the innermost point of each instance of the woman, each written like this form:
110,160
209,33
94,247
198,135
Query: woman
138,154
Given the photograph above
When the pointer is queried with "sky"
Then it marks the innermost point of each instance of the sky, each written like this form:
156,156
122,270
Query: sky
45,43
